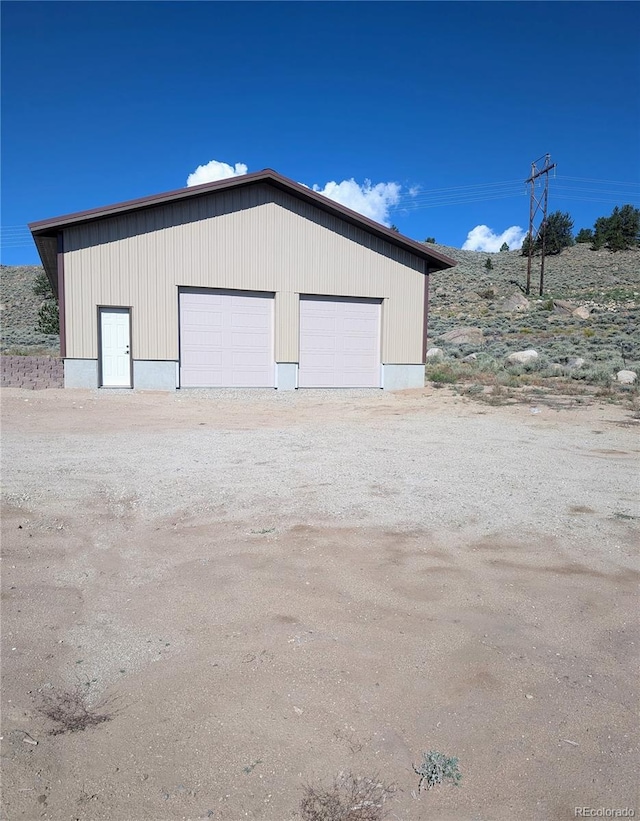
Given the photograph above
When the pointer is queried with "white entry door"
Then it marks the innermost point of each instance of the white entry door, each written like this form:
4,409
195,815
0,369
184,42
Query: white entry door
339,342
115,348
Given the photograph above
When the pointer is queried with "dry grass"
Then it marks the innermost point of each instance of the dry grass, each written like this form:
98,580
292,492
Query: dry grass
350,798
70,711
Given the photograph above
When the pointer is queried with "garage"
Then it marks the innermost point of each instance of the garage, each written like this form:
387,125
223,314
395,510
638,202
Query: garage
339,342
250,281
226,339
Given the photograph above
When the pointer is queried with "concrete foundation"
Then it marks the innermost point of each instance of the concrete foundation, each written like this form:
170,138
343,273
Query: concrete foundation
401,377
286,376
81,373
154,375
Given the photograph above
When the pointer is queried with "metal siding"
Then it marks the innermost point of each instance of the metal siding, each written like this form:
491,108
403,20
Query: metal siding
258,239
286,326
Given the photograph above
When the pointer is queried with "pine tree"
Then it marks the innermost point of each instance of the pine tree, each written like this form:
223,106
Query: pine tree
618,232
584,235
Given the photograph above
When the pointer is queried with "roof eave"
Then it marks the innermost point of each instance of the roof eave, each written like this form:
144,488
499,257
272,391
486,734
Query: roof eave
435,261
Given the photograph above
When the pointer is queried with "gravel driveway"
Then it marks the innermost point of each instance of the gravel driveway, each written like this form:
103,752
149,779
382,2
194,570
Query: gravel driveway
263,590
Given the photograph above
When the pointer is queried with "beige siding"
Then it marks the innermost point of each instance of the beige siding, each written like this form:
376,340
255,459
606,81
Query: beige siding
287,326
257,239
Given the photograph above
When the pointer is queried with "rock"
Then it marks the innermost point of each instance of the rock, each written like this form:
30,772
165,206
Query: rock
626,377
561,306
516,302
575,362
464,336
522,357
582,312
435,353
470,358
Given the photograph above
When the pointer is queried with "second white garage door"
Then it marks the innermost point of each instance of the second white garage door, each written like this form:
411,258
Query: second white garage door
339,343
226,339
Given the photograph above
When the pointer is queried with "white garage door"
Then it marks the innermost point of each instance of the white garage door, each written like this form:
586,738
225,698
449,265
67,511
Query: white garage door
226,339
339,343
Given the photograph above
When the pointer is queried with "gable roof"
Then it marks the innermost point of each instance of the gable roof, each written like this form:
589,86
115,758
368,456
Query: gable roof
45,232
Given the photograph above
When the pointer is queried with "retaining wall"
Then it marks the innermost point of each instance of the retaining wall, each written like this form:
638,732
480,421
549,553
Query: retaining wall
32,372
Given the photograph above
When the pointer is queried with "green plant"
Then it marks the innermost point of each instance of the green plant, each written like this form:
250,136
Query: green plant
527,243
504,247
584,235
48,318
436,768
618,232
442,374
42,286
348,799
556,233
488,264
430,239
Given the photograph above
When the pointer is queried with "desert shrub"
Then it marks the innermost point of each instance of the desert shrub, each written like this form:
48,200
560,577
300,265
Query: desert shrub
348,799
436,768
441,373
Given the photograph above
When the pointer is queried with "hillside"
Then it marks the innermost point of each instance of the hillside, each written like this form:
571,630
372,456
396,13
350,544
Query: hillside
606,336
470,296
19,312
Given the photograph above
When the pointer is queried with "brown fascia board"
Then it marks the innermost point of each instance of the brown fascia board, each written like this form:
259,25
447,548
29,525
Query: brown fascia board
434,260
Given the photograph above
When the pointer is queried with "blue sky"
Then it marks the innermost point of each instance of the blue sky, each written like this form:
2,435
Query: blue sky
441,106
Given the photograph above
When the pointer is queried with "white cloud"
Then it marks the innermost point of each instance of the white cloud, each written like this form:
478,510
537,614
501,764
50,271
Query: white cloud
215,170
373,201
482,238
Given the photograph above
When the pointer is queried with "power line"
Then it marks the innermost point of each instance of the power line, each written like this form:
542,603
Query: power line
591,179
538,205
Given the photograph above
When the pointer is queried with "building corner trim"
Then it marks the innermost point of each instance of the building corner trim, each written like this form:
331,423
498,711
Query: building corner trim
61,300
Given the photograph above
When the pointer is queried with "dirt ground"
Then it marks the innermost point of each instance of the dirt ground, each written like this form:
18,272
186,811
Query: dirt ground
264,590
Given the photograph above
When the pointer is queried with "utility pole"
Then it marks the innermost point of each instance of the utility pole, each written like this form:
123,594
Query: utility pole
538,205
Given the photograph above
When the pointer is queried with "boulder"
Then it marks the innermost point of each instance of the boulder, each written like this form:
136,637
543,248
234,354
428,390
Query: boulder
463,336
470,358
626,377
582,312
516,302
435,353
560,306
522,357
